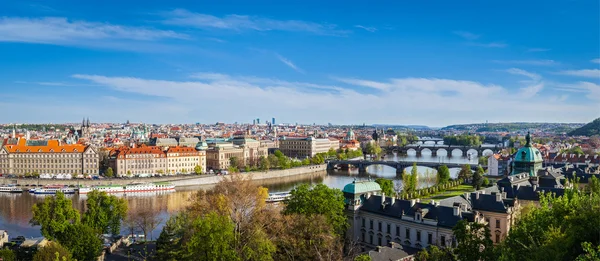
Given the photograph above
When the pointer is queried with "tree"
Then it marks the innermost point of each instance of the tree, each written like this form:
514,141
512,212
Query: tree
54,214
478,178
129,173
590,254
486,182
443,175
362,257
473,241
197,170
83,242
465,173
264,163
273,160
483,160
593,186
387,186
109,172
278,154
212,239
53,251
169,243
331,153
105,212
7,255
433,253
146,220
306,162
320,200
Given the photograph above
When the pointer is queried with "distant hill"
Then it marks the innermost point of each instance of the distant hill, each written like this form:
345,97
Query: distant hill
590,129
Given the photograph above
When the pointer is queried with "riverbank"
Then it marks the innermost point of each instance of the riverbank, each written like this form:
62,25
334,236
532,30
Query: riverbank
178,181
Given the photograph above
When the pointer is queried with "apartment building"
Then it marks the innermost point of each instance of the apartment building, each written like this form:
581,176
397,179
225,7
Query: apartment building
48,157
218,155
305,147
145,160
183,160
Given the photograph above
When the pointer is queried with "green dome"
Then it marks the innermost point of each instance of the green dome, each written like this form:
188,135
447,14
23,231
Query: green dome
528,153
360,187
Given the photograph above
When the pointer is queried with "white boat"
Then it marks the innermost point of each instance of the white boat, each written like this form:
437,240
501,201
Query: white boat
10,188
107,189
278,197
146,187
53,189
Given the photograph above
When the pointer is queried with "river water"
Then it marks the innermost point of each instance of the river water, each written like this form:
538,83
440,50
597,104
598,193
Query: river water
15,209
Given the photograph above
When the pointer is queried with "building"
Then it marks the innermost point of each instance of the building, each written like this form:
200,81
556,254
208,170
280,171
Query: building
164,142
527,159
187,142
255,149
49,157
183,160
3,238
305,147
377,220
218,155
498,165
144,160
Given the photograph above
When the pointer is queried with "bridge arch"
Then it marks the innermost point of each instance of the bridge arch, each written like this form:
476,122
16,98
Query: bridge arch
456,152
411,151
473,152
426,151
487,152
441,142
442,150
429,142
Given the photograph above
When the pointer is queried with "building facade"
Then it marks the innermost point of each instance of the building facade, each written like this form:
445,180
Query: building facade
256,149
306,147
218,155
50,157
145,160
183,160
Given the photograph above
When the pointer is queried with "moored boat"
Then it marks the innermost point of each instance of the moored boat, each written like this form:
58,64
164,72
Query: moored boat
53,189
278,197
11,188
146,187
107,189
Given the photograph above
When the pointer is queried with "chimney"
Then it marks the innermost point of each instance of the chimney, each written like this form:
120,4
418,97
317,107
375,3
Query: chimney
393,200
456,211
504,195
467,195
382,198
534,187
463,207
368,195
412,202
498,197
432,202
418,200
477,195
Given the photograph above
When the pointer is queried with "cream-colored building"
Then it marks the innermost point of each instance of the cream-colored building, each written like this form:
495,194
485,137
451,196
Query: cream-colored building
218,155
256,149
183,160
145,160
49,157
305,147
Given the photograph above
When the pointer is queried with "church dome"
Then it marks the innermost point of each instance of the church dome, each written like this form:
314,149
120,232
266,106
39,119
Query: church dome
528,153
360,187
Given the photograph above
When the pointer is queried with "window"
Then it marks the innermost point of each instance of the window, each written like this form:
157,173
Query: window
398,231
378,226
430,238
388,229
363,224
371,225
497,223
418,236
363,236
443,241
379,241
371,239
497,238
408,233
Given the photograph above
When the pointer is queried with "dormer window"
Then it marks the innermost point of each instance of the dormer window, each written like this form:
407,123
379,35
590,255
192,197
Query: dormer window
418,217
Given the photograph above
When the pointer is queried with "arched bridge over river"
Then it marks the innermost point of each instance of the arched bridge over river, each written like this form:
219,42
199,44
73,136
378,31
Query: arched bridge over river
398,165
482,150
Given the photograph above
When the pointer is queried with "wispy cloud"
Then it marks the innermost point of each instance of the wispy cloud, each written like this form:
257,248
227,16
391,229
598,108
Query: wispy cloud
595,60
490,45
364,83
533,86
366,28
589,73
538,49
236,22
62,84
62,31
517,71
528,62
467,35
592,89
289,63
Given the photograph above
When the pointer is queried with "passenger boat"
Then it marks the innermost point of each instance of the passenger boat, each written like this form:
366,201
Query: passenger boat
278,197
10,188
53,189
146,187
107,189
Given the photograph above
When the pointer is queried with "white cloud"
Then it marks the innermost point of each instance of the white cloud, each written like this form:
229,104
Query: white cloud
427,101
366,28
533,86
538,49
528,62
236,22
467,35
517,71
289,63
590,73
592,90
595,60
490,45
60,30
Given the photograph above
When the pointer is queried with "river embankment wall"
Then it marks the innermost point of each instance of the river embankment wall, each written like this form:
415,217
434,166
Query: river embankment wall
178,181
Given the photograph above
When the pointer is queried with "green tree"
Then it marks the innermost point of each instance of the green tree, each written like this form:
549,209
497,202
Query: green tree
317,159
387,186
212,239
169,243
104,212
486,182
264,163
53,251
234,162
109,172
129,173
465,173
478,178
197,170
319,199
483,160
434,253
55,214
278,154
593,186
7,255
590,254
331,153
306,162
443,175
273,160
83,242
473,241
362,257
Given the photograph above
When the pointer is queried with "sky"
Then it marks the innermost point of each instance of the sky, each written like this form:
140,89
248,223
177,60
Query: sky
431,63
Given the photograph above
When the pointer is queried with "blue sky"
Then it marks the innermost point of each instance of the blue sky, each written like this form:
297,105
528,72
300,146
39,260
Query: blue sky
344,62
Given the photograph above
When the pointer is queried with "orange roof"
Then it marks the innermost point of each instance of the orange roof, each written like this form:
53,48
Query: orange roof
53,146
181,149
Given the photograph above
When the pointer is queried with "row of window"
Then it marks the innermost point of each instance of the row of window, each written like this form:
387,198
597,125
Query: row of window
407,233
52,161
52,155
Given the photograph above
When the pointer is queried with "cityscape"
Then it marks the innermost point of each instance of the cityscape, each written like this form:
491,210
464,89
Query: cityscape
299,131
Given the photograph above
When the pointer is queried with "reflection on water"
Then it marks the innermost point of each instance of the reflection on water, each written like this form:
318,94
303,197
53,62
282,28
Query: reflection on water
15,209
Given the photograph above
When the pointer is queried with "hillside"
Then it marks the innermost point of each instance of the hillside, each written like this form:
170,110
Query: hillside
590,129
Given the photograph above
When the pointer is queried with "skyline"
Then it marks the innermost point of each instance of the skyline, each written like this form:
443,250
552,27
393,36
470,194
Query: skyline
397,64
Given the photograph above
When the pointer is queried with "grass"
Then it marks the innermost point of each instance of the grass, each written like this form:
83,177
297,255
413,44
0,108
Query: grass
456,191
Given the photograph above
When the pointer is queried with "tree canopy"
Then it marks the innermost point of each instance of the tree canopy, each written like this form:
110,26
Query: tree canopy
462,140
53,251
443,174
590,129
104,212
387,186
54,214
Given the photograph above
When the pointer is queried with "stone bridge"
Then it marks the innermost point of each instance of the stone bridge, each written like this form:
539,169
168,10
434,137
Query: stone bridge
398,165
449,149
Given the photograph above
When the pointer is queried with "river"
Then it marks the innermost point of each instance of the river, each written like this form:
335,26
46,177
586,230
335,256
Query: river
15,209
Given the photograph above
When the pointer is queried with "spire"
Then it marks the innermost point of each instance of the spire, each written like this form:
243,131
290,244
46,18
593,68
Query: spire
528,140
83,122
87,124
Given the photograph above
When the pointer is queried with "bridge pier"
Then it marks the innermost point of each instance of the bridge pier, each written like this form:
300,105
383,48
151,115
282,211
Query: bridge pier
434,153
330,166
399,169
418,153
362,169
